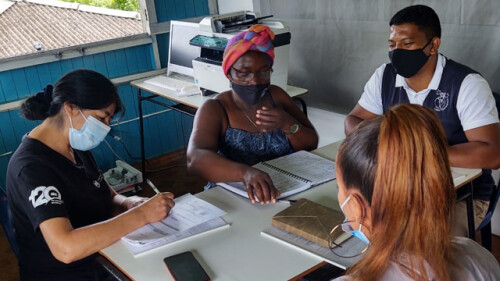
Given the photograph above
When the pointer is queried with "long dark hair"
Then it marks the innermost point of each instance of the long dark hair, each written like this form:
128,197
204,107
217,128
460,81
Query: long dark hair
84,88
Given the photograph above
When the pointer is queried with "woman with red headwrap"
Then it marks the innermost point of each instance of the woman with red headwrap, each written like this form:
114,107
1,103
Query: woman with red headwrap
252,122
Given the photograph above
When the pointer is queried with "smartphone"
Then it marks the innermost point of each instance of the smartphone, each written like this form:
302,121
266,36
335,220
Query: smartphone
185,267
326,272
321,272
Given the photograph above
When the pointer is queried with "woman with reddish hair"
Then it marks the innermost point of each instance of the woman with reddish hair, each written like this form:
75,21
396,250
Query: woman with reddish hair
396,191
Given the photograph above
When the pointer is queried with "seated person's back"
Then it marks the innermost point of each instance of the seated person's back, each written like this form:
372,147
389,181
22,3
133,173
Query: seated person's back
396,190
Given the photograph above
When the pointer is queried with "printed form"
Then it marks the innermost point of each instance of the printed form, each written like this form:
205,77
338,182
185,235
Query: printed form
189,216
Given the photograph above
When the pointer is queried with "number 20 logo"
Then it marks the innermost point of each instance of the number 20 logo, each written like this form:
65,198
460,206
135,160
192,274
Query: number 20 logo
44,194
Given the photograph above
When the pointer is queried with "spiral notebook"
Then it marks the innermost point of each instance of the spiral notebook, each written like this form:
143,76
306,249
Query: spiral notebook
291,173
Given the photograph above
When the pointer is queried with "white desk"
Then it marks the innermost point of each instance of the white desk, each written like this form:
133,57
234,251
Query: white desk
187,105
197,100
239,252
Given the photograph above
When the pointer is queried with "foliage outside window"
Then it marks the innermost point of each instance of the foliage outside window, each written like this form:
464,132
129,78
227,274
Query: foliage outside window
125,5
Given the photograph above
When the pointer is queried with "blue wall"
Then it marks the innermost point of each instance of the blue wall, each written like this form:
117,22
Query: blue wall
167,10
164,132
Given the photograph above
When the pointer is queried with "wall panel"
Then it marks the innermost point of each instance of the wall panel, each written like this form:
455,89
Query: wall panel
337,44
163,132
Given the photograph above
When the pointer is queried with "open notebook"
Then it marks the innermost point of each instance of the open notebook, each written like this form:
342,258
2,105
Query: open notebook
291,173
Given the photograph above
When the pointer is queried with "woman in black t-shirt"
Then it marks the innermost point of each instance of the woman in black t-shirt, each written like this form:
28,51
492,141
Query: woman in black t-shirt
61,205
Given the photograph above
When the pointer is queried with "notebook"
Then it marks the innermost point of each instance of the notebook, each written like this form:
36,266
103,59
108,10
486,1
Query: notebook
291,173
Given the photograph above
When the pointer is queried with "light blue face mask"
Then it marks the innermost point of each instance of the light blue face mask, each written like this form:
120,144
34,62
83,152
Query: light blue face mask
90,135
346,226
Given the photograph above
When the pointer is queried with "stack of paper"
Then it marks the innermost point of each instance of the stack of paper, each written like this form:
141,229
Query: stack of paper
189,216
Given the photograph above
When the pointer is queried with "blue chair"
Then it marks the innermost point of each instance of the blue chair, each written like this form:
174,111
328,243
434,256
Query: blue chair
485,226
6,220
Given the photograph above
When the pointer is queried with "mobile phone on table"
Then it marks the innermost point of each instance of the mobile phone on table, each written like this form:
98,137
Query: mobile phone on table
185,267
321,272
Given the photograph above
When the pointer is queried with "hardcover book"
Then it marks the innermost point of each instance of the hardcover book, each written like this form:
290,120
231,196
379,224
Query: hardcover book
311,221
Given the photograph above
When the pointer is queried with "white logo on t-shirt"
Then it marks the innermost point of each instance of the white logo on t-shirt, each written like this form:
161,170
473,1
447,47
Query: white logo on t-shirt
45,194
442,101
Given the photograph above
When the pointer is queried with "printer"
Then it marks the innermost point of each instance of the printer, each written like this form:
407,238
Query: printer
215,33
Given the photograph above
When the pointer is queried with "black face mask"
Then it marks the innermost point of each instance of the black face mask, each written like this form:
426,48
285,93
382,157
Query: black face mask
408,62
250,94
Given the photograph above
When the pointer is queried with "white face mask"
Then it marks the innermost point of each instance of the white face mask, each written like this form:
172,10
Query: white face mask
90,135
346,226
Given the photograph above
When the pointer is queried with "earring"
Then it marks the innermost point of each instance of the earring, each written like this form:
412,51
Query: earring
348,244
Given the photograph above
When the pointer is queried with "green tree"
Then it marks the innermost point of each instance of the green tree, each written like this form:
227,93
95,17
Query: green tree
125,5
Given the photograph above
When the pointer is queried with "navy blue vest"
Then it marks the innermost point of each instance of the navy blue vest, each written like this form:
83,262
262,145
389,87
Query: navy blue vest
444,102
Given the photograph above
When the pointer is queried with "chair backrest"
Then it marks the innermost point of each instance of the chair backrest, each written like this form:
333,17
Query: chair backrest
491,208
496,194
497,101
6,220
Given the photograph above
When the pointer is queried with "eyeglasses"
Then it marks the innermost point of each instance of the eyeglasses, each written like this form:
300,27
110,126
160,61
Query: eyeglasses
248,76
345,249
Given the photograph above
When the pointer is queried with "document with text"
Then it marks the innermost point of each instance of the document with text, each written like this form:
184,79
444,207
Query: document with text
189,217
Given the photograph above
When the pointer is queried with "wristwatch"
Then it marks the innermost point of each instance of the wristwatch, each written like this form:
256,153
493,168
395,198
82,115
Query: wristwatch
293,129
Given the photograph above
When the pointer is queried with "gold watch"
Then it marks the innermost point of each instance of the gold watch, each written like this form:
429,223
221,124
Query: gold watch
293,129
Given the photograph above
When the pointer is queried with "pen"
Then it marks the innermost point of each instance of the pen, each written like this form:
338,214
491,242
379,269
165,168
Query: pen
153,186
289,202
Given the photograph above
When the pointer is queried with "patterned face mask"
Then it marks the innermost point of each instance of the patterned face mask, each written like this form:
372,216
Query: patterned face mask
250,94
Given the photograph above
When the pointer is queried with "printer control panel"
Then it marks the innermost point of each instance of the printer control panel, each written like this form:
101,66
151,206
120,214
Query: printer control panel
210,42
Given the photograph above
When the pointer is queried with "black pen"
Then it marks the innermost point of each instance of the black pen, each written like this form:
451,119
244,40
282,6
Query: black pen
152,186
289,202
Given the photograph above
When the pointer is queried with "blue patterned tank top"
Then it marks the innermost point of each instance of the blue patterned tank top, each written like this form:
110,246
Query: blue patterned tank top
251,148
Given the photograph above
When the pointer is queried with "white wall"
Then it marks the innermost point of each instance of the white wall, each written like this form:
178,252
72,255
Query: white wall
337,44
227,6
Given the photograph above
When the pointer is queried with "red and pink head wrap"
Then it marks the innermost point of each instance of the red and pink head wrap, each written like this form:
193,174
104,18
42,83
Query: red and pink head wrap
257,38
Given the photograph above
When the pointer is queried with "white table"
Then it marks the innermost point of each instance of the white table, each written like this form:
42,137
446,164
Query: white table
197,100
239,252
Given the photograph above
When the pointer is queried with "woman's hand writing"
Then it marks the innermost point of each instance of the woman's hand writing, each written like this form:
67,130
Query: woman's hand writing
157,208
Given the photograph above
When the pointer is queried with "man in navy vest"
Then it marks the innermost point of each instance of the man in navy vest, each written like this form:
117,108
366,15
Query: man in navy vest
460,96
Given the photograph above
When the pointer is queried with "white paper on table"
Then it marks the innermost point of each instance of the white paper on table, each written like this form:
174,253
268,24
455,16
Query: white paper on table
188,212
137,247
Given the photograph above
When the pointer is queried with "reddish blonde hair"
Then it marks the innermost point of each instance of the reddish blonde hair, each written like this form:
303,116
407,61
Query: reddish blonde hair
413,192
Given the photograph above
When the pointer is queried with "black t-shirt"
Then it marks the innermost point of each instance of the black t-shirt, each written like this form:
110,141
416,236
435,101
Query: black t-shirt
43,184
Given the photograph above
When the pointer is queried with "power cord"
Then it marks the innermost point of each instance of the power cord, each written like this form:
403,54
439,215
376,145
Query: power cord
117,138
